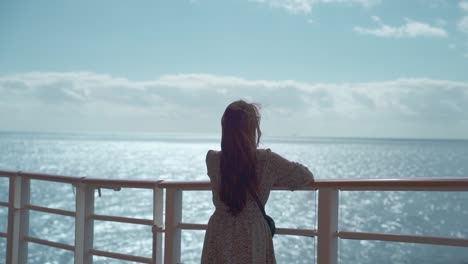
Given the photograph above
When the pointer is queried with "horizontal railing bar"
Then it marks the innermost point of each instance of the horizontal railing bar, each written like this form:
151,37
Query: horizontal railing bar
122,183
457,242
282,231
419,184
190,226
187,185
120,256
404,189
4,204
8,173
51,210
423,184
50,177
5,235
393,184
121,219
297,232
50,243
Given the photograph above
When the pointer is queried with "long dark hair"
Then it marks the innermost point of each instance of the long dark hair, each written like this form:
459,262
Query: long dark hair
240,138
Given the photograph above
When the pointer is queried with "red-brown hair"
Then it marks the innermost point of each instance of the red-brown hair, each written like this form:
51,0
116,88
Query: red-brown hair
240,137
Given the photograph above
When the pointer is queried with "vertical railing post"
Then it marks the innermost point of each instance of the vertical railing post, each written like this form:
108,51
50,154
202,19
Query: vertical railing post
84,228
327,241
158,196
172,232
18,220
11,216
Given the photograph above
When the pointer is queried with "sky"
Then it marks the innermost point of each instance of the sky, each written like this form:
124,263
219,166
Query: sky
319,68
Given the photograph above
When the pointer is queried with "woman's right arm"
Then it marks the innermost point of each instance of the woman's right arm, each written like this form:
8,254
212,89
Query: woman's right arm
292,175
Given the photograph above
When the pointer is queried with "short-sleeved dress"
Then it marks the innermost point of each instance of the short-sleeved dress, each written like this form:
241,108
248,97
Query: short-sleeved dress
246,237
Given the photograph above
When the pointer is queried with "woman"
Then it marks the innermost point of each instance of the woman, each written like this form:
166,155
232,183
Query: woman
237,231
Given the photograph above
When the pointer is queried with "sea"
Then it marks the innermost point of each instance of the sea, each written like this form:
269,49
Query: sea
182,157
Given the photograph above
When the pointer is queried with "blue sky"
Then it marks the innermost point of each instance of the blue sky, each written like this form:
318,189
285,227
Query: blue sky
365,68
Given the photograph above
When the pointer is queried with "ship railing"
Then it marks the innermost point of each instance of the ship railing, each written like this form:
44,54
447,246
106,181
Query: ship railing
167,204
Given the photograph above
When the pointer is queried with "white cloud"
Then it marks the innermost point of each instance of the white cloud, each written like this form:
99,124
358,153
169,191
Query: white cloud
305,6
195,102
436,3
463,24
463,5
411,29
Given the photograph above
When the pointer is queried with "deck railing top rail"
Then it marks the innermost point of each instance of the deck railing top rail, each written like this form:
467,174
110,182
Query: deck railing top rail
445,184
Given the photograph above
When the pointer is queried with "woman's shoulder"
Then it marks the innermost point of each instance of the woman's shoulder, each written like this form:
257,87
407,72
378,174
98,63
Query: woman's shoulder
211,154
264,151
270,155
212,162
263,154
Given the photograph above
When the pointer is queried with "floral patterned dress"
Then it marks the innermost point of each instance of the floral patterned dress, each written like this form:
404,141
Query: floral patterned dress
246,238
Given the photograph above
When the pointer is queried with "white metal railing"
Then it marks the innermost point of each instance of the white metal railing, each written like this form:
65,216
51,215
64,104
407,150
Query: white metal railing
327,232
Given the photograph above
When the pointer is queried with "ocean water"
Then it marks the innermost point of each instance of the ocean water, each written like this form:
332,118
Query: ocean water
181,157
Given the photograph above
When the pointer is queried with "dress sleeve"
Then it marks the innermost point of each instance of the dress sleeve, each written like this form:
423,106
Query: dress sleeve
288,173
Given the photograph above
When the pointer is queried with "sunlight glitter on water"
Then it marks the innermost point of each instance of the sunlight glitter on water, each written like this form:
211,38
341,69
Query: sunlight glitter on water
408,213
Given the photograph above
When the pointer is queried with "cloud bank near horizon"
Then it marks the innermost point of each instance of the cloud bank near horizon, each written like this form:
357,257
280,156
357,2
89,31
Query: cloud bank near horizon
411,29
306,6
87,101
